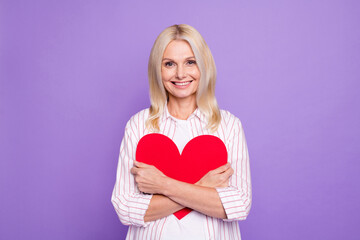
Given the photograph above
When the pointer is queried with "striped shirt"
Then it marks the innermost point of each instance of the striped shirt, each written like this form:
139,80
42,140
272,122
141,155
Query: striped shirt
131,205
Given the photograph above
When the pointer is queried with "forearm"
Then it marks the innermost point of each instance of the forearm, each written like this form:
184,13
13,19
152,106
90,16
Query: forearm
161,206
202,199
175,195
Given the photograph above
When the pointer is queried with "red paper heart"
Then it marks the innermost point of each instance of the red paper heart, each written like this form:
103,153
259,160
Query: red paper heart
200,155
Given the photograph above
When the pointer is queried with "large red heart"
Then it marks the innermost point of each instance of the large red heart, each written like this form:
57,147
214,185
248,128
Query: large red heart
200,155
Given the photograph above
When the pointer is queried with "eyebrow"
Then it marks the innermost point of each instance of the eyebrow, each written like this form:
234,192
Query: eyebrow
173,60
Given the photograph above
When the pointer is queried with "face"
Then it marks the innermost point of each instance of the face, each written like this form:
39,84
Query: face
179,71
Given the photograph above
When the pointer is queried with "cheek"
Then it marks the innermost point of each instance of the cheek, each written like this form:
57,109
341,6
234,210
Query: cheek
195,73
166,74
166,84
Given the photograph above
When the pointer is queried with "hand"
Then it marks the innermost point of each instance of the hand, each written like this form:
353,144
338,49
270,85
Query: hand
148,178
218,177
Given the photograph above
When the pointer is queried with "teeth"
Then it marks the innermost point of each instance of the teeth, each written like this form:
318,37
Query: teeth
181,83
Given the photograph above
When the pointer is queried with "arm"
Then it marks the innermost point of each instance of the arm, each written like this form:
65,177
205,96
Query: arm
161,206
202,199
129,204
236,198
175,194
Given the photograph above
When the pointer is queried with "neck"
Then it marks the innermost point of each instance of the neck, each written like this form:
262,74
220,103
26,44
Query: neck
181,108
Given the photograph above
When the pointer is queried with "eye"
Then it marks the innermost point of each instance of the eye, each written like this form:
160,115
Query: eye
169,64
191,62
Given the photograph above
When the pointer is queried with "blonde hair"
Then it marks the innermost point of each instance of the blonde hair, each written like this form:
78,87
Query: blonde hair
205,94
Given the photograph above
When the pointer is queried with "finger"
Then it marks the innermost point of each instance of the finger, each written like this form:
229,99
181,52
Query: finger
134,170
140,164
228,172
222,168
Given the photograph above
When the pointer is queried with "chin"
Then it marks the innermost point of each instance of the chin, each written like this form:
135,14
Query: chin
182,96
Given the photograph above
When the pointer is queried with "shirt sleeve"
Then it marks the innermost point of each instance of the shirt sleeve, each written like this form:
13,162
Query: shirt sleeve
236,199
129,203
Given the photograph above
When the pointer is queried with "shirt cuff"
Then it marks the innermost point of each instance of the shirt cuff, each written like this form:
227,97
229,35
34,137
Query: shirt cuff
138,205
234,203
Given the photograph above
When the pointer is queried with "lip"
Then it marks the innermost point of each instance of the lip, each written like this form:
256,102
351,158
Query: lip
182,86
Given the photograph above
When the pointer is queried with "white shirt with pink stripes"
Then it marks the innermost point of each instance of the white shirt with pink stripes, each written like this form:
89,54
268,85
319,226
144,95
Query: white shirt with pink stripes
131,205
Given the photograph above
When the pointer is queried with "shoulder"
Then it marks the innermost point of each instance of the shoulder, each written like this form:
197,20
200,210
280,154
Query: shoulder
139,117
136,124
229,119
230,124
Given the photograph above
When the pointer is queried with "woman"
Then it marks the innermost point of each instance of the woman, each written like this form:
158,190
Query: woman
182,78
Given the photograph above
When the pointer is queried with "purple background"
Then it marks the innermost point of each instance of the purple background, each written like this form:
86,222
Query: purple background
73,72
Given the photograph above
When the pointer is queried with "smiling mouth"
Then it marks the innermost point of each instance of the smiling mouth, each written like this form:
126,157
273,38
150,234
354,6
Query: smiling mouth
182,83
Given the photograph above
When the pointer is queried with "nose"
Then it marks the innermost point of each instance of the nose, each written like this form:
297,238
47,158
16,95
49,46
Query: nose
180,72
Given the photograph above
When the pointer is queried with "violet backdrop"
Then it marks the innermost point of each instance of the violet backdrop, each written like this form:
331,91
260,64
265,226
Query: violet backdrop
73,72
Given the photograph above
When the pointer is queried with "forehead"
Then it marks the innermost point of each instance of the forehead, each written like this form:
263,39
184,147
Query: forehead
178,49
